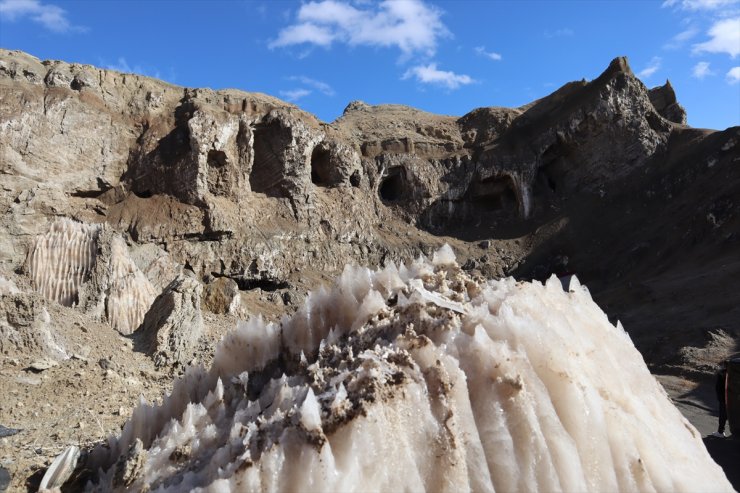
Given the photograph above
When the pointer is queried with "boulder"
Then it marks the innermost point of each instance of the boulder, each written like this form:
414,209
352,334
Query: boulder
173,324
222,296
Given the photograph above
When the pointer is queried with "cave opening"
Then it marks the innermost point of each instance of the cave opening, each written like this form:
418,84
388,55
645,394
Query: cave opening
143,194
216,159
218,180
355,179
393,186
495,194
268,169
320,167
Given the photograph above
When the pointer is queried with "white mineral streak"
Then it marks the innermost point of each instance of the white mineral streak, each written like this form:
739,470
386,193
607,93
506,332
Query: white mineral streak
130,293
375,385
62,259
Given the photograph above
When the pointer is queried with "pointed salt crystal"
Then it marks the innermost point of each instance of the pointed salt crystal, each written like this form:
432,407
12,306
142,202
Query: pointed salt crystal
311,412
575,284
339,398
61,469
554,284
303,358
435,298
444,256
333,336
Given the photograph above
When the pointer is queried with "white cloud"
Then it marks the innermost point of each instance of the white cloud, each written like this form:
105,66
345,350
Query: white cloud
701,70
50,16
320,86
560,33
409,25
303,33
481,50
695,5
295,94
733,76
122,65
429,74
681,38
652,67
724,38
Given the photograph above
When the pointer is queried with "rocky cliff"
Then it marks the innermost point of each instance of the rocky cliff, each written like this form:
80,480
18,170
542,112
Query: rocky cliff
246,202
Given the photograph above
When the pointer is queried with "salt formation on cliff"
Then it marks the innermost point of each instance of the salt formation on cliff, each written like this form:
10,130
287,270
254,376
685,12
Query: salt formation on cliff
77,263
62,259
130,293
417,378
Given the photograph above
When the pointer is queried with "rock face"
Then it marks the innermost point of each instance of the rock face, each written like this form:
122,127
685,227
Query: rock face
664,100
230,166
172,326
418,378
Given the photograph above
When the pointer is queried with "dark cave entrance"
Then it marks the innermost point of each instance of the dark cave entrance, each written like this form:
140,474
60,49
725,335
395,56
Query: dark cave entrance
495,194
268,170
217,172
393,186
321,167
216,159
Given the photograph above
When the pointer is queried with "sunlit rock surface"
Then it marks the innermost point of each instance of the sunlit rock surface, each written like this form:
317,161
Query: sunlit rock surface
417,378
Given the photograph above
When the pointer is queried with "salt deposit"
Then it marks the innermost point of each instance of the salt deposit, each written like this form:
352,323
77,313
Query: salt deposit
417,378
62,259
130,293
73,256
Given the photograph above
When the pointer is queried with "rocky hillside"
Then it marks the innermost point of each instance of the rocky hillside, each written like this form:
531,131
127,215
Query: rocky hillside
193,208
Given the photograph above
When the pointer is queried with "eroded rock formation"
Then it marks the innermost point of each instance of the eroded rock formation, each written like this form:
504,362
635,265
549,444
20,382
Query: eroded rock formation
173,324
253,202
62,259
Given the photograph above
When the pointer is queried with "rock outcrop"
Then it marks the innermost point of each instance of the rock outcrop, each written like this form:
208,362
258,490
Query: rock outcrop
172,326
664,100
230,166
89,265
62,259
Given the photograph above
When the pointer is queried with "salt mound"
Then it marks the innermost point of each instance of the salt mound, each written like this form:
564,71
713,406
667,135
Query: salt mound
417,378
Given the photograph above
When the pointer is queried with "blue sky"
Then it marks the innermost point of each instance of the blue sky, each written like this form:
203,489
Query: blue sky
440,56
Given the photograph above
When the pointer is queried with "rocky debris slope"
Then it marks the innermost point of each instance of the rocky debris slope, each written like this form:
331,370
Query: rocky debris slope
417,378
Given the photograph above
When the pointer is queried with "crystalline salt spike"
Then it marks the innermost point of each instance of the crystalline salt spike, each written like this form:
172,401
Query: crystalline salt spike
60,469
443,256
311,412
526,388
